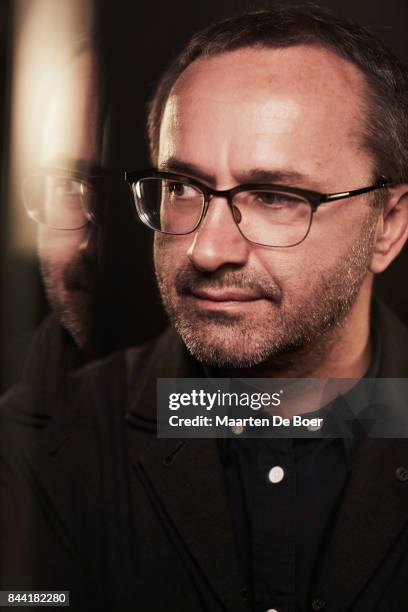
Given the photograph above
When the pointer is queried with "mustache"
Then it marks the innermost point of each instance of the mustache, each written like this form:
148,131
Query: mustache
188,280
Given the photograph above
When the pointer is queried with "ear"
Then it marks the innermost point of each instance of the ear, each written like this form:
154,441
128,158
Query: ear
392,230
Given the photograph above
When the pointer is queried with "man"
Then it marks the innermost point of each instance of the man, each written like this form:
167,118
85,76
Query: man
280,190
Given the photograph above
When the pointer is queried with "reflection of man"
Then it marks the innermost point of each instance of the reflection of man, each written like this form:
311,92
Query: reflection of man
66,240
280,190
64,197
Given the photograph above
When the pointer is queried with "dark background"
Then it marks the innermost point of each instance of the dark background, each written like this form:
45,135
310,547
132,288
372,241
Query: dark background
138,39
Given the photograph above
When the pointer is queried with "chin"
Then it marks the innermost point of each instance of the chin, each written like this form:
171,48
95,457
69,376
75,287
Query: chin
76,314
224,346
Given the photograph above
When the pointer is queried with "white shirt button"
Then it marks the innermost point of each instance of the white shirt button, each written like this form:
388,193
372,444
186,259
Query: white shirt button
237,429
314,427
275,475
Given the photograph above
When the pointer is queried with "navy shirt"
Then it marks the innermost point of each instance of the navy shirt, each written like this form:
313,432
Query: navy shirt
284,496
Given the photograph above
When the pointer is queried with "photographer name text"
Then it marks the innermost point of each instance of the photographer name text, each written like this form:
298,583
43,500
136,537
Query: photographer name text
245,422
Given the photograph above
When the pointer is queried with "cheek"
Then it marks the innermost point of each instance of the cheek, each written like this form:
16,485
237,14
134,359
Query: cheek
286,268
170,255
58,247
339,245
301,268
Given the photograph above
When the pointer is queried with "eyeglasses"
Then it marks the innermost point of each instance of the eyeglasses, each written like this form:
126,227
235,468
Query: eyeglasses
61,199
267,215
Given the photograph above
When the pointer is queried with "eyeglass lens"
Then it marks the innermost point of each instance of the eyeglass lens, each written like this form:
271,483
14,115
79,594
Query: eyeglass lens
58,201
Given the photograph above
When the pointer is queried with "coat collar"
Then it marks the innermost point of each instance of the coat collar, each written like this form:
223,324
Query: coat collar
394,342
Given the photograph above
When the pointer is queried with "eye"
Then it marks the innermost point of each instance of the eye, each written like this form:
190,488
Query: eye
181,190
68,186
276,199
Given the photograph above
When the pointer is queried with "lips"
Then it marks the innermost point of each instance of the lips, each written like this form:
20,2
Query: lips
226,295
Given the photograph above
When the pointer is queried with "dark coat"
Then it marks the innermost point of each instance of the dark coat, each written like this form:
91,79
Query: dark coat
96,504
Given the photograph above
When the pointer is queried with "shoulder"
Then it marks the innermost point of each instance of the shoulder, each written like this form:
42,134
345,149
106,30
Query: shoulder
119,367
119,378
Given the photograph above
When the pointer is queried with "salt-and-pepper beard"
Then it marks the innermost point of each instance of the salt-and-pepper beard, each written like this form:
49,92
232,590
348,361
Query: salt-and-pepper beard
226,340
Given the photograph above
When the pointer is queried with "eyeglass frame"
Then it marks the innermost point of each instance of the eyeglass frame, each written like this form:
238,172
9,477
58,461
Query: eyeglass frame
95,178
314,198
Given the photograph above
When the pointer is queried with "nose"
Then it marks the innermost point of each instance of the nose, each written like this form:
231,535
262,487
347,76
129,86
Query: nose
218,241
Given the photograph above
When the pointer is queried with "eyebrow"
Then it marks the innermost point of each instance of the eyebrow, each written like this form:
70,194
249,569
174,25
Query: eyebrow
254,175
83,166
172,164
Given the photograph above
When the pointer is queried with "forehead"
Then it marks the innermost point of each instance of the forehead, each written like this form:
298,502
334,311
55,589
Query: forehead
71,125
305,99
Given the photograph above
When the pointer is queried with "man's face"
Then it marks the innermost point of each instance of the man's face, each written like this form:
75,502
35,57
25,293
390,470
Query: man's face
295,113
67,257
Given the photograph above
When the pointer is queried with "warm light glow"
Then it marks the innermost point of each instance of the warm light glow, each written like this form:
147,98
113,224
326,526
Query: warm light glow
46,32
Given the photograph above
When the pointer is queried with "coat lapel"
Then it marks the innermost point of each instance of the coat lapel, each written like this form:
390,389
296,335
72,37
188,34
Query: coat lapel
185,481
373,513
375,504
53,474
185,477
